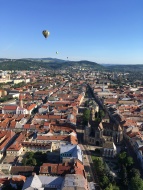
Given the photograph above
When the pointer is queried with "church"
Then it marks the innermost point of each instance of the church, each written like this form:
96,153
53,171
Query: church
106,133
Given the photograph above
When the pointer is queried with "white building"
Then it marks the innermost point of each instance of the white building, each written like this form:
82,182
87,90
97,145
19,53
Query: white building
109,149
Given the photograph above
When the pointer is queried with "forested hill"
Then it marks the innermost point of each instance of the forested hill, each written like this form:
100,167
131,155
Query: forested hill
47,63
124,68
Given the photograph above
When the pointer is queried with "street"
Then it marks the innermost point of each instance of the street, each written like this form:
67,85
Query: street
87,160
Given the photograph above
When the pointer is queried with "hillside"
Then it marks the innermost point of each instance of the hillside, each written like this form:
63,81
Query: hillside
124,68
47,63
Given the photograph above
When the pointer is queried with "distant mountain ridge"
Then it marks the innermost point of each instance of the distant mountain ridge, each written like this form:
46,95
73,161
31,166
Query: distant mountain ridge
46,59
47,63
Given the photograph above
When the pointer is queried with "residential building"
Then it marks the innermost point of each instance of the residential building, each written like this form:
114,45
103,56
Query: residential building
70,153
6,138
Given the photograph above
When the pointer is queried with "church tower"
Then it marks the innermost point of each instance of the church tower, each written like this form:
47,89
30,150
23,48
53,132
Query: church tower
93,114
117,134
21,96
87,132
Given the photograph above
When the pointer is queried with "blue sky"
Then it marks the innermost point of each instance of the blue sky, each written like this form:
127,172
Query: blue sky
104,31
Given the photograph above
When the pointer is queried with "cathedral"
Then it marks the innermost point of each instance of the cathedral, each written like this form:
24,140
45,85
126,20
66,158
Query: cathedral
98,133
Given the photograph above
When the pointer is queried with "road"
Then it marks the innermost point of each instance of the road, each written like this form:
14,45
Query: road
87,160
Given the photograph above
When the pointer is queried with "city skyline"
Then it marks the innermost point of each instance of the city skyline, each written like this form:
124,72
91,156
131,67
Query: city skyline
100,31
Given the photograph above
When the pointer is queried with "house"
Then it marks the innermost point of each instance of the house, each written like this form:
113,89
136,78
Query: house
74,181
111,101
132,134
24,170
62,169
71,119
17,180
25,109
43,109
56,138
109,149
21,110
5,168
31,108
41,182
6,137
70,181
20,124
36,146
9,109
70,153
4,124
16,148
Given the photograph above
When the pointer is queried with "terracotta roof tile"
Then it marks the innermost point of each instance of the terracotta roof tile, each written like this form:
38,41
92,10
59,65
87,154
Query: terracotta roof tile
32,106
10,107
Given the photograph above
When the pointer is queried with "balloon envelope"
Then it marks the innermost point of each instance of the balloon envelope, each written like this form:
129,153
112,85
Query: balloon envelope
45,33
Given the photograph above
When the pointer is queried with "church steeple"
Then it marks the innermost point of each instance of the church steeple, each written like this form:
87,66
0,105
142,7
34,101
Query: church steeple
93,114
21,100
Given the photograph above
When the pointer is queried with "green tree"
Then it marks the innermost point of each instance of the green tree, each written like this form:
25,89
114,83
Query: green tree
122,158
29,159
112,187
24,161
115,187
101,114
31,162
123,175
30,154
129,161
86,116
136,183
4,99
104,182
98,120
134,173
99,166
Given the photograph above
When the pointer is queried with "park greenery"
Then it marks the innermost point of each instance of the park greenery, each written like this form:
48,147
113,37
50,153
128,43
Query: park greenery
19,85
128,177
86,116
34,159
106,180
98,116
5,98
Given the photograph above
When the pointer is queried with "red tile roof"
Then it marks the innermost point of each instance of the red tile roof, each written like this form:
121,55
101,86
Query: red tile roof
8,136
62,169
9,107
31,107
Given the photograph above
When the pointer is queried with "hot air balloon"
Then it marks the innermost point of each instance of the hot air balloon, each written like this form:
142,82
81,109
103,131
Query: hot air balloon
67,57
57,52
45,33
